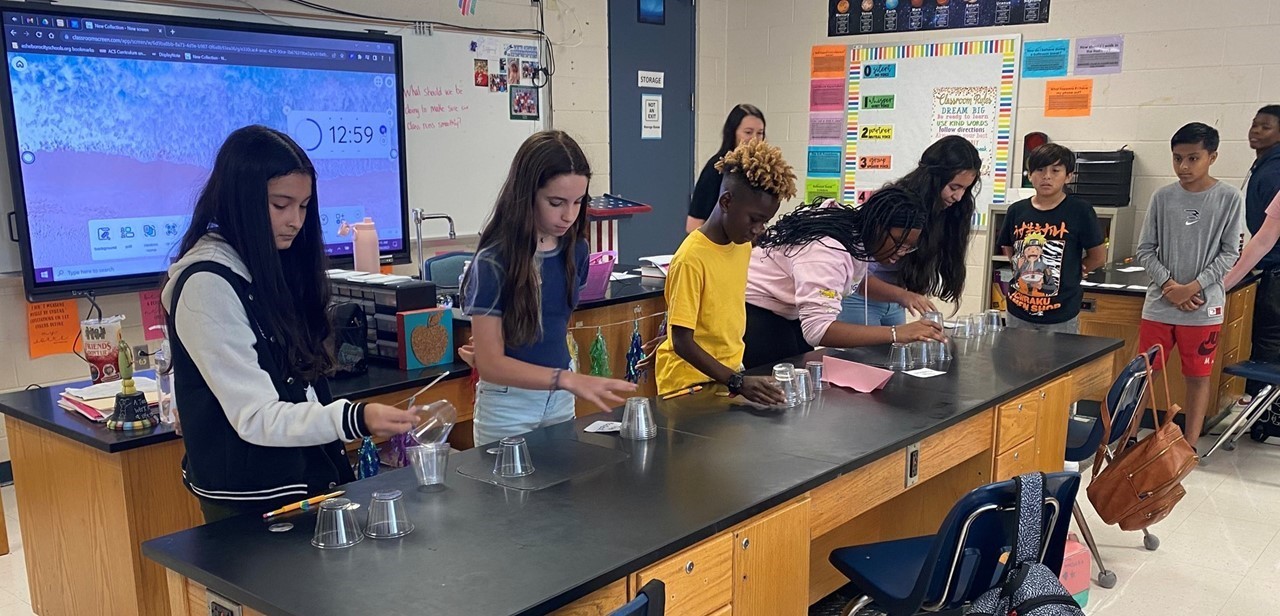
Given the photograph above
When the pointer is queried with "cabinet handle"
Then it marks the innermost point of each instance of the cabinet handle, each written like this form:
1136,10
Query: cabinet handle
1016,455
1019,407
688,568
746,543
1042,394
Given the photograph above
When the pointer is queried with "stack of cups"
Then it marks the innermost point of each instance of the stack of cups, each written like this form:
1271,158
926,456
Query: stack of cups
785,375
637,420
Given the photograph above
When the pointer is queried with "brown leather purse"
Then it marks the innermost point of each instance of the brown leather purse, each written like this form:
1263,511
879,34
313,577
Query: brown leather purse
1140,485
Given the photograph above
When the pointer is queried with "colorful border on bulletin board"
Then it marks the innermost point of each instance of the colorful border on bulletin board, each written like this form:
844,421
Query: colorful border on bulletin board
1007,47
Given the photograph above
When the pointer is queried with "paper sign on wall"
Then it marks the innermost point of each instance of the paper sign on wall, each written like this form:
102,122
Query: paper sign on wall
826,95
826,128
828,61
152,314
1045,58
1100,55
825,188
51,328
1068,98
651,79
651,116
824,161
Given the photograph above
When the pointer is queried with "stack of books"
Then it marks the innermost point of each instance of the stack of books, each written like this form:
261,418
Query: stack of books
97,402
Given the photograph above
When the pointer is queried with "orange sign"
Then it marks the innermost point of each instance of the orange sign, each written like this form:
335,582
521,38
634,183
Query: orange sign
828,61
51,328
875,162
1068,98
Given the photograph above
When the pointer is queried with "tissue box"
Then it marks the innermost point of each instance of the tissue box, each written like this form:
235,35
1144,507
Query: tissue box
425,338
1077,570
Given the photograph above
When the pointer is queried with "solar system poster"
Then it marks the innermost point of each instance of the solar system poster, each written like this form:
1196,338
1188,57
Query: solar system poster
852,17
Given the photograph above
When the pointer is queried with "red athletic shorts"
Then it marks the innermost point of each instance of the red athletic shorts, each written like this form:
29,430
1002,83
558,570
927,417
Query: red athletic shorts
1197,344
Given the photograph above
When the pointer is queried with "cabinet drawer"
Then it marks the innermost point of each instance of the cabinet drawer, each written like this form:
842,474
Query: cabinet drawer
1231,334
1016,461
1017,422
724,611
1236,302
699,580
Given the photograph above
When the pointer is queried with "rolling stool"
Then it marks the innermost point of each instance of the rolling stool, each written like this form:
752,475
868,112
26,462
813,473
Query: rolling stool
1258,371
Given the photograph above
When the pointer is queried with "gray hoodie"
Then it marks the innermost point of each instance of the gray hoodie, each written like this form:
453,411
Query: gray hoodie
217,335
1190,236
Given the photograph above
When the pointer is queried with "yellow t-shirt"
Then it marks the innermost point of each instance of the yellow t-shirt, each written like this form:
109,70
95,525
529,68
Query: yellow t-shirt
706,292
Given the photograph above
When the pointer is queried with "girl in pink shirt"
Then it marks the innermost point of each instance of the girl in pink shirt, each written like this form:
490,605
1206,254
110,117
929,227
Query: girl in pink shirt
803,266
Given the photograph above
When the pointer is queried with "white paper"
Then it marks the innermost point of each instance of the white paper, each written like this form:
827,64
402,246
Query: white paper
1088,284
618,276
1111,285
651,79
651,116
1131,269
924,373
1137,287
604,427
107,390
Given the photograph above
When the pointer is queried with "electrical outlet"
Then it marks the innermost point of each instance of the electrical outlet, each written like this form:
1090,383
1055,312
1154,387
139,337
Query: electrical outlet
221,606
141,357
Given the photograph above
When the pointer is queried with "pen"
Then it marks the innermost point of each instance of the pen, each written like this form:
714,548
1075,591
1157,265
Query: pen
683,392
303,505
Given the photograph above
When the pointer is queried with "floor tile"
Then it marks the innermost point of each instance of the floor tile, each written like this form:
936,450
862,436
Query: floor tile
1214,542
1165,589
1255,595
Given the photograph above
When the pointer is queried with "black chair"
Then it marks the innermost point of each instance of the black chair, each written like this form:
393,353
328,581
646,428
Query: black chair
947,570
1258,371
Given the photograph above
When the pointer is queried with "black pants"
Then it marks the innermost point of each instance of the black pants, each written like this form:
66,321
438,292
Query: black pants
771,338
1266,323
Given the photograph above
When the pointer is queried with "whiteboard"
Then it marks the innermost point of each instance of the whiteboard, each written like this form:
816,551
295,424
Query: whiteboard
459,137
902,98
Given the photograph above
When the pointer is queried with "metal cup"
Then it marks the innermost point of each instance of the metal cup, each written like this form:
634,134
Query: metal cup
637,420
804,384
899,357
815,370
387,517
513,459
336,525
429,462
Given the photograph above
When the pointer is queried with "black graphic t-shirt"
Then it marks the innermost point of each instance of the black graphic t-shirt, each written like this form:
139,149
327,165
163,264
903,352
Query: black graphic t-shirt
1048,248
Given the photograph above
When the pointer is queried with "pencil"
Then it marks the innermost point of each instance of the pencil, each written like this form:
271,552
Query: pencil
683,392
304,505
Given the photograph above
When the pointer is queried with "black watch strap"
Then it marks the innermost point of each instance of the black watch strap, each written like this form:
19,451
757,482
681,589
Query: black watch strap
735,384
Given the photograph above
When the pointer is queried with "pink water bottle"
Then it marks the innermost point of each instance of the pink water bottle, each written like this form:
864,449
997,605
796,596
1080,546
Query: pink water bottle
364,246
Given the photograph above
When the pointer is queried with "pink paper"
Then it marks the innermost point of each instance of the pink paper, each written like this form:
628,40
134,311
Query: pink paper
152,314
860,377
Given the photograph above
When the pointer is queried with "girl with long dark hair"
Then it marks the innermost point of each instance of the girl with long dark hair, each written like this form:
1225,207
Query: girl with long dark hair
745,122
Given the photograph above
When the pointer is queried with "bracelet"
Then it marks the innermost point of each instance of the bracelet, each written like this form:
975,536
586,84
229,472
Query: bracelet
555,379
893,331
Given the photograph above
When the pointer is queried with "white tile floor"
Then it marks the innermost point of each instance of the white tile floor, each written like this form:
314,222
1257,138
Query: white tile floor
1219,549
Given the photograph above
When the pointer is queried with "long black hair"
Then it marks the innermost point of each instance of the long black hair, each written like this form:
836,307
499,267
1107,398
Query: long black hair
938,267
859,230
729,134
291,283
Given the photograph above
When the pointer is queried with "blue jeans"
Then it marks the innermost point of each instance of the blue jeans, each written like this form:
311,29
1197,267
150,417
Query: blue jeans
503,411
877,313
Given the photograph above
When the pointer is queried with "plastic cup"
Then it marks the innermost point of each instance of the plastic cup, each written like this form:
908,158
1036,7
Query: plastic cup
429,462
964,329
513,460
995,321
815,370
932,315
924,354
785,375
977,324
804,385
387,517
637,420
899,357
336,525
435,422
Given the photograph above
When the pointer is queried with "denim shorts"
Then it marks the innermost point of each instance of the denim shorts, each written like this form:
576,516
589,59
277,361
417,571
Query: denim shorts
855,306
503,411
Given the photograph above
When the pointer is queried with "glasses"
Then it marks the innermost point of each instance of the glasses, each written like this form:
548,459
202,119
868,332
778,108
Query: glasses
904,250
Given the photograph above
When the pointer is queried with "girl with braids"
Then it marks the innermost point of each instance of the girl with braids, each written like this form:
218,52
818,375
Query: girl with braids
745,122
706,285
809,260
521,288
945,181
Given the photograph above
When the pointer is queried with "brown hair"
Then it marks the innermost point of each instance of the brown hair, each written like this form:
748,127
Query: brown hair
762,166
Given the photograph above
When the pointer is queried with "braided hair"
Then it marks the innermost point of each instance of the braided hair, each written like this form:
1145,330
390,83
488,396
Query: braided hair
859,230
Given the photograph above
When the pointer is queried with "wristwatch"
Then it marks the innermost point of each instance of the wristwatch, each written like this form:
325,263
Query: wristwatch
735,384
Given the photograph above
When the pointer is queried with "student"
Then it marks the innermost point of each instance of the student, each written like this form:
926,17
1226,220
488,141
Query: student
246,310
1044,237
745,122
1189,240
1260,191
812,258
1260,246
946,179
706,285
521,288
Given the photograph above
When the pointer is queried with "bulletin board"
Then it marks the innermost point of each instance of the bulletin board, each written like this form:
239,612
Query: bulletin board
901,98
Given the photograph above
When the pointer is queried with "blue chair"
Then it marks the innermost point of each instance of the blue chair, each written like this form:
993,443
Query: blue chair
648,602
1085,434
1255,371
947,570
444,270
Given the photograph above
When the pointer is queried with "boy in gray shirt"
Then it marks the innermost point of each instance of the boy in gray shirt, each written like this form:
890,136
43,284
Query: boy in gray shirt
1189,241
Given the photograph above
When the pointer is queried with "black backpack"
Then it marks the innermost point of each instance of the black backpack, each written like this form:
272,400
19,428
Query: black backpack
1029,588
1267,425
350,339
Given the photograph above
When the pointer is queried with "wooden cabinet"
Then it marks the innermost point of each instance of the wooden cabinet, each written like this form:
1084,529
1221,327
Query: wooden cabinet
599,603
1016,461
699,580
771,563
1031,430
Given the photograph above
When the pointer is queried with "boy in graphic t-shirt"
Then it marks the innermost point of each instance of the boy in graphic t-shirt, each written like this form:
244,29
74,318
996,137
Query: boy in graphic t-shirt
1052,240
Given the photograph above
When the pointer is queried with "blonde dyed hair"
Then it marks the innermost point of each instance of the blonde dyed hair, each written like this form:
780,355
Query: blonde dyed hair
763,167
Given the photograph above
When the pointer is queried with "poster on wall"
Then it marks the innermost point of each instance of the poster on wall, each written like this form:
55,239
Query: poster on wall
853,17
902,98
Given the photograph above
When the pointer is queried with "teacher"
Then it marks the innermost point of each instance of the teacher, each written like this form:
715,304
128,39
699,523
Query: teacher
745,122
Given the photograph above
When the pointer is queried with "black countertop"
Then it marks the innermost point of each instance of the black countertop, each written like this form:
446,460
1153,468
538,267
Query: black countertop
1112,275
484,549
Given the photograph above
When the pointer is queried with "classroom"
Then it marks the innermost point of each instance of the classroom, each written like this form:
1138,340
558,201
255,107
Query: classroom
640,307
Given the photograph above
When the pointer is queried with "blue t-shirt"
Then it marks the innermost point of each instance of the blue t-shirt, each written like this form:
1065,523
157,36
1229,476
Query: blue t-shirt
484,298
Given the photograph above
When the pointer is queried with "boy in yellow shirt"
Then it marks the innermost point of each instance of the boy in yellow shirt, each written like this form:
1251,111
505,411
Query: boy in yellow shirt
707,282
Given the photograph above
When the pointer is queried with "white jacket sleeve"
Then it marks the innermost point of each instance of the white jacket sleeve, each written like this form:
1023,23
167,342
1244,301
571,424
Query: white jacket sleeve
214,329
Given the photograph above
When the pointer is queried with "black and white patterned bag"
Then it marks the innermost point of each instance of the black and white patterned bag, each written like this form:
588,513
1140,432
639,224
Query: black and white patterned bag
1029,587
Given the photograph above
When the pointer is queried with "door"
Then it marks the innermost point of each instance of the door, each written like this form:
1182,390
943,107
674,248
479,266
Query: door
652,157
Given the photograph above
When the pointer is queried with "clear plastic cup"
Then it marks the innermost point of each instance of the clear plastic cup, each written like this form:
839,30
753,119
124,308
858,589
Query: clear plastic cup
435,422
336,525
387,517
804,384
815,370
995,321
637,420
924,354
964,329
785,375
899,357
429,462
513,460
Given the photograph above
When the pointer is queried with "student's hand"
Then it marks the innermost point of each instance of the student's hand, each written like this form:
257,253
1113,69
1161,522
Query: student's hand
385,420
467,353
920,330
915,303
603,393
650,349
1179,294
1192,304
763,390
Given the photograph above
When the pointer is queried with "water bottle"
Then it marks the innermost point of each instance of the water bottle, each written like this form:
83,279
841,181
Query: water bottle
164,378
